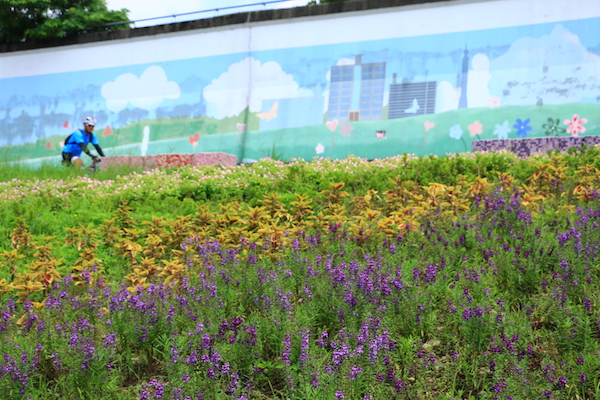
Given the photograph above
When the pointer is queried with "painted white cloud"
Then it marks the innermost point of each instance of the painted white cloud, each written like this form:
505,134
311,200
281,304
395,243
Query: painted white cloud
447,97
341,61
555,68
247,84
146,92
346,61
478,92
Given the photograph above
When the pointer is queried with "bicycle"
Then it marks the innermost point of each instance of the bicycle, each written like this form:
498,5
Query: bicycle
95,165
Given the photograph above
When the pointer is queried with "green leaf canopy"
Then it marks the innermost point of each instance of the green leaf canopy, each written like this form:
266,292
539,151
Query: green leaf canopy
23,20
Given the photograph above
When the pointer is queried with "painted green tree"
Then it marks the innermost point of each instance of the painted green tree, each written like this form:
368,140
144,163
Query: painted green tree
26,20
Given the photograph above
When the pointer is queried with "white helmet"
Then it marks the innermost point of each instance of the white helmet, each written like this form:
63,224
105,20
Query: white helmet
89,121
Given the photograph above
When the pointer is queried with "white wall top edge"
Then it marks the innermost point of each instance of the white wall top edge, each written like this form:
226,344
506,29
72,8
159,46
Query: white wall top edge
407,21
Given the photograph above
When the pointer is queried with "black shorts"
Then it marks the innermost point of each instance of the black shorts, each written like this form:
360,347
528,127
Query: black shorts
67,158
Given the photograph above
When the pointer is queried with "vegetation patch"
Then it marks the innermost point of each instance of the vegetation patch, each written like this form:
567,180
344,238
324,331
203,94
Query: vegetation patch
470,276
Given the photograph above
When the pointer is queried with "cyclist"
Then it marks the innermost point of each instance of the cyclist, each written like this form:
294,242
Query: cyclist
78,141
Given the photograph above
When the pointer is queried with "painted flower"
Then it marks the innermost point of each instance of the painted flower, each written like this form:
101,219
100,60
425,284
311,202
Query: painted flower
495,101
456,132
332,125
575,125
502,130
194,139
346,129
522,127
241,127
552,128
319,149
475,128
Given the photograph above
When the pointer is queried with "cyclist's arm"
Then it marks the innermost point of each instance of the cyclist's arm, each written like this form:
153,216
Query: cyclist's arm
99,150
86,151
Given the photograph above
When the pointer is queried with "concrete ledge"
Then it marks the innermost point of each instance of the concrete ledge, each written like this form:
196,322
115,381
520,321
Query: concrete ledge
524,147
171,160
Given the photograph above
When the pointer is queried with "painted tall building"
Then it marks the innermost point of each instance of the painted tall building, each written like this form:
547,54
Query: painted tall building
412,98
356,91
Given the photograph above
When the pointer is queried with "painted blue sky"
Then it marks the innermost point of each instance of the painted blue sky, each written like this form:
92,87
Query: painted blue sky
437,56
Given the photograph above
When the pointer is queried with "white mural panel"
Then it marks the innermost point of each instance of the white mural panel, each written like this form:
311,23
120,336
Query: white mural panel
426,79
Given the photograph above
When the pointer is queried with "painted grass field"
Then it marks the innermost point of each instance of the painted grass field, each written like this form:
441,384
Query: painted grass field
470,276
441,133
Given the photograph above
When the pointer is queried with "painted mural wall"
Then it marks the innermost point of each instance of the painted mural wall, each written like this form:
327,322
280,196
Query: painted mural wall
425,79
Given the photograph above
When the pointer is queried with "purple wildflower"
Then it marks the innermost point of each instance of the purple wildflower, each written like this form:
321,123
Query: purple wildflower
304,344
110,341
159,388
315,379
355,370
500,386
287,349
144,395
431,274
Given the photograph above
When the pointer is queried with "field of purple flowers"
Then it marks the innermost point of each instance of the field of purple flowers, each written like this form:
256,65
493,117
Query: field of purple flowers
498,300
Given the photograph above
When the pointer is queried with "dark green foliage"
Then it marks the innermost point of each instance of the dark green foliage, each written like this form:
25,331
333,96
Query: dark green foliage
23,20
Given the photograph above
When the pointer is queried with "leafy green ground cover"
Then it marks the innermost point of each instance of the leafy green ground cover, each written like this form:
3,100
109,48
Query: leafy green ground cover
471,276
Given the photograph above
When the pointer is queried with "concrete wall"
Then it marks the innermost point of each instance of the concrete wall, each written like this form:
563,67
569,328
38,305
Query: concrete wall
369,78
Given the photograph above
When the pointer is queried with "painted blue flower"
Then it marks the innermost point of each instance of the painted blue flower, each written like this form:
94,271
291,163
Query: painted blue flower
502,130
522,127
456,132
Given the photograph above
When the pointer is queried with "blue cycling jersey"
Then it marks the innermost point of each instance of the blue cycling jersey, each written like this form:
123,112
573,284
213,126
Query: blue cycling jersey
79,137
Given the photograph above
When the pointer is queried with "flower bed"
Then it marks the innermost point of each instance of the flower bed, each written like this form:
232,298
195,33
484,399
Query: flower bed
171,160
524,147
305,284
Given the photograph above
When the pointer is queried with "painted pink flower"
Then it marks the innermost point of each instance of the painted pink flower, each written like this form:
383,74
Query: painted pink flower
495,101
346,129
475,128
575,125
